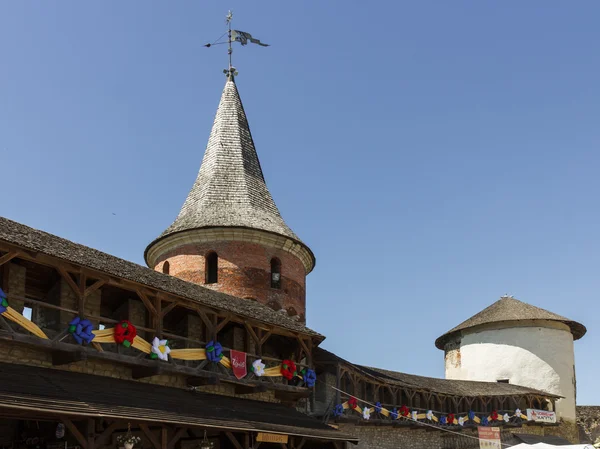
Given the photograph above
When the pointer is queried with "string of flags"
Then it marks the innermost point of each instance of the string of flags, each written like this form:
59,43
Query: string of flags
449,419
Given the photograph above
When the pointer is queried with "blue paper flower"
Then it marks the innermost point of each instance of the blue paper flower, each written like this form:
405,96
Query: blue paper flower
471,415
81,330
443,420
484,421
378,407
3,302
394,413
309,377
214,351
338,410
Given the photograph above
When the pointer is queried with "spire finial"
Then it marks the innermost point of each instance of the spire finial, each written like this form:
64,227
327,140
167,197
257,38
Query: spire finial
230,72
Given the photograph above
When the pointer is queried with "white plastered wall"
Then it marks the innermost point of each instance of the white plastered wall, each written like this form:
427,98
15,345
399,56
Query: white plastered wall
540,357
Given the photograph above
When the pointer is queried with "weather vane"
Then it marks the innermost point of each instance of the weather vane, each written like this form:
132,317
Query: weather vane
234,36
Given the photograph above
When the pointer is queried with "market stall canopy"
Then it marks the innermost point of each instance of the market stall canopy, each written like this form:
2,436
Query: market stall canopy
54,392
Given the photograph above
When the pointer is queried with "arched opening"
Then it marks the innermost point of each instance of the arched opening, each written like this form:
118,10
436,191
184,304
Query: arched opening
166,267
275,273
211,268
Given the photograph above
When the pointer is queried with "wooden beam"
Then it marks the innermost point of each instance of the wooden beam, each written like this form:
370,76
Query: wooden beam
168,309
146,302
222,324
102,439
67,277
234,440
91,433
150,435
265,338
158,325
178,435
95,286
75,432
250,389
252,333
202,381
8,257
301,443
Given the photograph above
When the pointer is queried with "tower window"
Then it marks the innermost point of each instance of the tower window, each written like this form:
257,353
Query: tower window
503,381
275,273
211,268
166,267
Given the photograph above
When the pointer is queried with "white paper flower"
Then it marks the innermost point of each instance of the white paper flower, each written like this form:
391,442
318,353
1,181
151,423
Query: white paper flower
518,413
258,367
413,415
429,415
160,349
366,413
461,421
506,417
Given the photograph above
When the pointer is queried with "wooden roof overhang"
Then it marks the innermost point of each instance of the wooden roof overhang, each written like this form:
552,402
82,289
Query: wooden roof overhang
38,391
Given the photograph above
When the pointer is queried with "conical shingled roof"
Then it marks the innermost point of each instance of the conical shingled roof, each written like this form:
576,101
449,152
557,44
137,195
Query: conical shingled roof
510,309
230,189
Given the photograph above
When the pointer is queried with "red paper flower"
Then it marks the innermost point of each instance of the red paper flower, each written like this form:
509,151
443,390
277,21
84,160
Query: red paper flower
125,332
288,369
450,418
404,411
494,415
352,402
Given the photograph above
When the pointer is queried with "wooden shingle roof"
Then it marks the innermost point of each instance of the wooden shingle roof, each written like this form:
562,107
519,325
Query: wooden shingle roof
230,189
52,245
506,309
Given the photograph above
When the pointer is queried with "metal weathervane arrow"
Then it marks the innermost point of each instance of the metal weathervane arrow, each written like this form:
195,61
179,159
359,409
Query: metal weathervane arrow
234,36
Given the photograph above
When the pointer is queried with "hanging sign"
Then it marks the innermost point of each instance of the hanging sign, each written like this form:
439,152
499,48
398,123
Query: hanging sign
489,438
541,416
271,438
238,363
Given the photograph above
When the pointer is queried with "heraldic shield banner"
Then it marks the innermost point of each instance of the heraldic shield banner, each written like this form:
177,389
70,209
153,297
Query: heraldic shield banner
238,363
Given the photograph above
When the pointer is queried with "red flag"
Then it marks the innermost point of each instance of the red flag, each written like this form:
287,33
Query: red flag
238,363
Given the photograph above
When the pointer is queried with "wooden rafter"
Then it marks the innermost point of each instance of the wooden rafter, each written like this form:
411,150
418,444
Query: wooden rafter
75,432
8,257
144,427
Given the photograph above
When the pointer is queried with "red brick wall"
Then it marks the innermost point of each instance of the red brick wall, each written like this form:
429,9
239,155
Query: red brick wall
244,271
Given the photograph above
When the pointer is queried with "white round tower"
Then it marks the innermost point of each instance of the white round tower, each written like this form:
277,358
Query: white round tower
514,342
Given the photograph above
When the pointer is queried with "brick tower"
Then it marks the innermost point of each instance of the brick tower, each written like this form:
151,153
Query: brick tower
229,234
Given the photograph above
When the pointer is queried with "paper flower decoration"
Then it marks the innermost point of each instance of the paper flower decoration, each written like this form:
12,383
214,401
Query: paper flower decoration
414,415
366,413
471,415
506,417
352,403
494,415
378,407
461,421
394,413
404,411
484,421
160,350
450,418
258,367
309,377
429,415
3,302
518,413
338,410
443,420
214,351
125,332
288,369
81,330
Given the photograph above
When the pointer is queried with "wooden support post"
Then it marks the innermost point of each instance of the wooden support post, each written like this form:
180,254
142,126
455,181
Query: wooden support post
164,438
102,439
91,433
158,325
178,435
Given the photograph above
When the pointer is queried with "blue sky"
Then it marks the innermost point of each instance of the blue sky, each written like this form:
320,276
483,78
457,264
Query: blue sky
434,155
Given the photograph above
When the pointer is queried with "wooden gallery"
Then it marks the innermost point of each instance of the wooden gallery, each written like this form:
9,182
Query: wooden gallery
208,347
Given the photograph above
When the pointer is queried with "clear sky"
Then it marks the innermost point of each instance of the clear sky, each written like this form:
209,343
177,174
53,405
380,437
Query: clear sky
434,155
